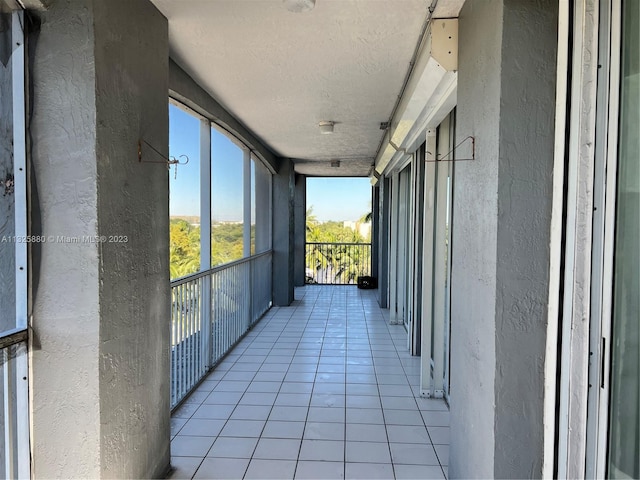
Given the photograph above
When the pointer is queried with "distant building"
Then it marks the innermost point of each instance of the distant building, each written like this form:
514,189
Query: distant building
362,228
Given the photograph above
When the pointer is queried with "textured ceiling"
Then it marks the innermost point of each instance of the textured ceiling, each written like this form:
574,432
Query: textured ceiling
280,73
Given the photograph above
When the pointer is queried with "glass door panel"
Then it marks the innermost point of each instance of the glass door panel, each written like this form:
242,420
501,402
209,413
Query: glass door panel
624,415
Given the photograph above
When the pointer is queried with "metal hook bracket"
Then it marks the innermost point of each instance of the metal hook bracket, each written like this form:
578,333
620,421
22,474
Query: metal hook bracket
443,157
171,160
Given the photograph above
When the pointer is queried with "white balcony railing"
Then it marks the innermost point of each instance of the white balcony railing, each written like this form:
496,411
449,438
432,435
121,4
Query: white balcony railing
14,420
211,311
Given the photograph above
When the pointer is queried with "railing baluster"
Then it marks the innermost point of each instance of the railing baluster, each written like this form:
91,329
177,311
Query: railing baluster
188,351
179,339
192,322
225,323
215,291
210,312
337,263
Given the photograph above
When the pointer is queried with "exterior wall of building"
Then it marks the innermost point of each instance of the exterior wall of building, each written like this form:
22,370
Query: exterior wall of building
65,382
99,357
525,184
133,211
473,279
502,212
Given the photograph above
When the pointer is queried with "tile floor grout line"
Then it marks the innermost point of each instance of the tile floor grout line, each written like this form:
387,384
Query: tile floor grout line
343,312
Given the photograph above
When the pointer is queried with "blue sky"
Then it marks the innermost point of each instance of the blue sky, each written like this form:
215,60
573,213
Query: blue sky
339,198
331,198
184,139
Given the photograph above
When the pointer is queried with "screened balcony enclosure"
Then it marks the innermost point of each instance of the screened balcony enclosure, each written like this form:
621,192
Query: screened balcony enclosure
162,308
323,388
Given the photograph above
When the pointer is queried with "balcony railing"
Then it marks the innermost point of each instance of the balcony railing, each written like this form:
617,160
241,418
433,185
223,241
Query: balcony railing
14,420
337,263
211,311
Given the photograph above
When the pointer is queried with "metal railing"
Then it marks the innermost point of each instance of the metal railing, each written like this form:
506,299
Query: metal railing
337,263
211,311
14,419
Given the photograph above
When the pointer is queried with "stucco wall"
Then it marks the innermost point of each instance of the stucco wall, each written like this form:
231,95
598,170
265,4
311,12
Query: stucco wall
131,57
502,215
384,205
64,344
283,233
524,210
300,219
473,274
99,353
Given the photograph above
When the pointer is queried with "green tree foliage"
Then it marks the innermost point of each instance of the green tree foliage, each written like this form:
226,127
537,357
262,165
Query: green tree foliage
226,243
334,262
184,245
334,232
184,248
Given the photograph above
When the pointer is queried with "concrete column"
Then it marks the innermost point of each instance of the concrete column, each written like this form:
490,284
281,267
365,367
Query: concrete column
263,208
384,215
283,234
375,227
100,284
246,202
502,212
300,219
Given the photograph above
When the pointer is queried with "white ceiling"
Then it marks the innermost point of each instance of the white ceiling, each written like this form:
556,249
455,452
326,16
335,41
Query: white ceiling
280,73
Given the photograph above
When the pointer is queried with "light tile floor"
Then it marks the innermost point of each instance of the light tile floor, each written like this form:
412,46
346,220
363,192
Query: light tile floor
323,389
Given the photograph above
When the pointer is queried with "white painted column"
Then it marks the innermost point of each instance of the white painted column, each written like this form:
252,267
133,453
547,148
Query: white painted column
393,252
205,194
205,236
440,265
418,252
20,166
22,468
427,265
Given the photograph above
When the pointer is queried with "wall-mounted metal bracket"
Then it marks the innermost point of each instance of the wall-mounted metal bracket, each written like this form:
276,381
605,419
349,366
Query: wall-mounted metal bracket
165,160
445,157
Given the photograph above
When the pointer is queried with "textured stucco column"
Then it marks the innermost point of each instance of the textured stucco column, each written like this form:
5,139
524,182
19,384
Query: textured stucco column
375,227
300,230
384,213
100,309
502,215
283,233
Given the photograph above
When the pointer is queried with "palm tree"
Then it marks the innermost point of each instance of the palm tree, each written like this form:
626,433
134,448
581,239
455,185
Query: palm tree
311,220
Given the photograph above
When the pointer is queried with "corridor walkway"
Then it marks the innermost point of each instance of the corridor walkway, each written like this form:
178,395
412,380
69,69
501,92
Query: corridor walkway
322,389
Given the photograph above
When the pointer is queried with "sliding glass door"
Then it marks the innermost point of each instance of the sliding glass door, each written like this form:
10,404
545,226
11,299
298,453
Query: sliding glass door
624,404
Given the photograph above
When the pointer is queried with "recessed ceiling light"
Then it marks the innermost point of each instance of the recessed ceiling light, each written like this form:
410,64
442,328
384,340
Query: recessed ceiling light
299,6
326,127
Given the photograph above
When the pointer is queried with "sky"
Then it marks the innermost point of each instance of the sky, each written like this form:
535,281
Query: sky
337,199
226,168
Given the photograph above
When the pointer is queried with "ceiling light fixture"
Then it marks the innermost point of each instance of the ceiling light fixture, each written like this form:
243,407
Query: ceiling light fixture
326,127
299,6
